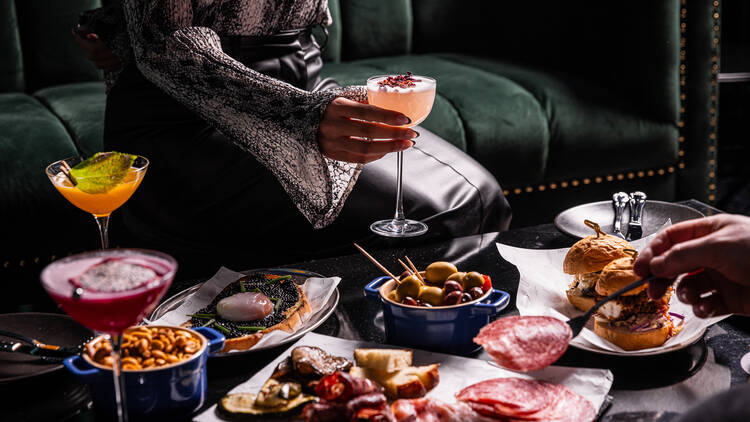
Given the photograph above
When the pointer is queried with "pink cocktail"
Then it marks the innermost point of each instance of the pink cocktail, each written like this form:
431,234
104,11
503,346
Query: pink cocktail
108,291
413,96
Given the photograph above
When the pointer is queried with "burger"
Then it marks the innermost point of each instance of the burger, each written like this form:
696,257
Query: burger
585,259
632,321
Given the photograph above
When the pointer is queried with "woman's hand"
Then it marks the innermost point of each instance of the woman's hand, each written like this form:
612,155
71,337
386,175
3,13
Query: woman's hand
348,125
720,245
96,51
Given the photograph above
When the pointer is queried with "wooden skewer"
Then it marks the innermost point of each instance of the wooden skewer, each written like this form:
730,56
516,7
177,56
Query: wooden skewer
375,261
406,267
66,171
413,267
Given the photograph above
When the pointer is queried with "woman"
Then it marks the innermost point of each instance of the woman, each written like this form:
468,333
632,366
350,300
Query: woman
249,149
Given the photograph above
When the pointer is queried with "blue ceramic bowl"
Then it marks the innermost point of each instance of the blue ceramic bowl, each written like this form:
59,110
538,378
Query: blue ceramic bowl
445,329
173,391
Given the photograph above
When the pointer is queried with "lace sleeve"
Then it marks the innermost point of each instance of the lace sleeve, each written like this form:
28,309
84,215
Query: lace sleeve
276,122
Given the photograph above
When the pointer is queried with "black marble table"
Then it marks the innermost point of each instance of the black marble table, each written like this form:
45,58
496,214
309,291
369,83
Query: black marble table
645,388
655,388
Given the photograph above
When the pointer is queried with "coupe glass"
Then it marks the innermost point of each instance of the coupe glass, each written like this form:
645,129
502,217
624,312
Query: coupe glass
116,309
100,205
416,103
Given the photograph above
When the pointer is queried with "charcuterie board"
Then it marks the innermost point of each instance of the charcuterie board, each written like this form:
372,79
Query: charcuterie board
456,373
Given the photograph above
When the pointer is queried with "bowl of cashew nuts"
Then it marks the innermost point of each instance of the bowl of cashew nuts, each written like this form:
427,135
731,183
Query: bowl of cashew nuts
164,369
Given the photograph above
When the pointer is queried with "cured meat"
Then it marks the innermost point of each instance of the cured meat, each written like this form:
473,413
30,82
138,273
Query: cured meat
509,396
567,407
431,410
341,386
525,343
517,399
370,407
324,412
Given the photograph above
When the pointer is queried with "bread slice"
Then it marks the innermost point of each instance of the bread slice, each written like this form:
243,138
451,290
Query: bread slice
383,360
408,383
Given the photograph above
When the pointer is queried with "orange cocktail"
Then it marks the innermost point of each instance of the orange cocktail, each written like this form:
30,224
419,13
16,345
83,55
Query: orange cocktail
100,185
99,204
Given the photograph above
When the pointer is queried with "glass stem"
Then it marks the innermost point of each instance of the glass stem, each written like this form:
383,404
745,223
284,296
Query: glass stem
399,193
103,223
120,401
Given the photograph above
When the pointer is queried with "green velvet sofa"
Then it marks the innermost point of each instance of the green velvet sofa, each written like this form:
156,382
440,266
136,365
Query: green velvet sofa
564,102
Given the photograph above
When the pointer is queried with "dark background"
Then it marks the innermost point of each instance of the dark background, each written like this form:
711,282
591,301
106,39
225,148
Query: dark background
734,108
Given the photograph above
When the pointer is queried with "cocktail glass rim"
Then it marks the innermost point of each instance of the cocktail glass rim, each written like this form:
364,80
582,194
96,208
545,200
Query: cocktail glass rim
432,81
48,170
117,251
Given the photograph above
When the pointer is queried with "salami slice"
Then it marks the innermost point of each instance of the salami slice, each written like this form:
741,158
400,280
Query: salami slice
525,343
508,397
567,407
517,399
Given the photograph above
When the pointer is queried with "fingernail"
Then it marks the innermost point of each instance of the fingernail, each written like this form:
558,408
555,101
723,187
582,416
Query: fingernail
415,133
413,143
404,120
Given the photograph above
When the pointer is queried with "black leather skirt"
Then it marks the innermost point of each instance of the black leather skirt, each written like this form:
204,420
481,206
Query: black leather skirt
210,203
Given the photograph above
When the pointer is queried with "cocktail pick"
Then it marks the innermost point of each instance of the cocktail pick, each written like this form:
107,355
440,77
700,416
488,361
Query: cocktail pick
413,267
375,261
408,270
594,226
66,171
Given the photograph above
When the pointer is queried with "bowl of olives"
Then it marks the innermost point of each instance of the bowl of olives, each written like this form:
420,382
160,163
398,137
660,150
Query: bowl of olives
440,309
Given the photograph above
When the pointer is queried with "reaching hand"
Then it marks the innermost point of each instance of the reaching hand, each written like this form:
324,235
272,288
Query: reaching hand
718,244
347,125
96,51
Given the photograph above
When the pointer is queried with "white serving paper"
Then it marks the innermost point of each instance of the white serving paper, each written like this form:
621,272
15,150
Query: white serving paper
541,291
317,290
456,372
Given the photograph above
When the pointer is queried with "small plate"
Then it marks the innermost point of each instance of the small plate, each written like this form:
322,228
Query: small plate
56,329
581,343
655,214
298,276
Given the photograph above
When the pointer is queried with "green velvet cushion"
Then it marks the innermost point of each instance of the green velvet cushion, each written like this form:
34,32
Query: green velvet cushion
36,218
375,28
80,107
593,132
506,128
51,55
443,120
11,61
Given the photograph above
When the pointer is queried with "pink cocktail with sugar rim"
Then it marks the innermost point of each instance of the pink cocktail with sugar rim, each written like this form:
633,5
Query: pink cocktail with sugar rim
108,291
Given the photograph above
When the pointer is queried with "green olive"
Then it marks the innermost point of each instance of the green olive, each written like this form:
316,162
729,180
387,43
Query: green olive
432,295
473,279
409,287
394,296
437,272
457,277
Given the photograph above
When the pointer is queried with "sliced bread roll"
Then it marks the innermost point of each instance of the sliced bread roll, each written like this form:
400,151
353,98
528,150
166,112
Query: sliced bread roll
383,360
408,383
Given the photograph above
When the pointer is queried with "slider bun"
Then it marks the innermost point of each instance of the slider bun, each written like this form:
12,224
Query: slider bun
631,340
582,303
616,275
592,253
